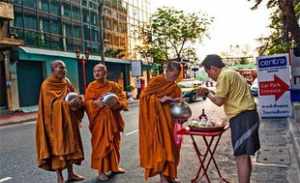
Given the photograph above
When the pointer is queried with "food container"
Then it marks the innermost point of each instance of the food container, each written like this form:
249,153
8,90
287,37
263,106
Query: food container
180,110
109,99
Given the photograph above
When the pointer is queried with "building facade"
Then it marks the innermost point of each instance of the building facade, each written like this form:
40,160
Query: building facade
7,43
115,13
64,25
139,12
55,29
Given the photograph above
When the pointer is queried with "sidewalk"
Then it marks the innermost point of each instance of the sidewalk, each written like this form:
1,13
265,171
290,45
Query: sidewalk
22,117
16,117
277,160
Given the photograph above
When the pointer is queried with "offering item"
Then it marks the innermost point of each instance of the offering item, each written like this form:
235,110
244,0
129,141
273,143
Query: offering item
110,99
180,110
74,100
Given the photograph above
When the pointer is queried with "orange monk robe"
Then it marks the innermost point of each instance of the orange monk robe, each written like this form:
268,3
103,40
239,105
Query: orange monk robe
105,126
158,152
58,141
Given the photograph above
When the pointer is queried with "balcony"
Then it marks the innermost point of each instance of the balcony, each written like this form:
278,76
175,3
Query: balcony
6,11
6,42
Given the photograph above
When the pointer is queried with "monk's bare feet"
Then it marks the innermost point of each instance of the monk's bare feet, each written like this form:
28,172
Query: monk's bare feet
175,180
75,177
120,171
60,179
102,177
163,179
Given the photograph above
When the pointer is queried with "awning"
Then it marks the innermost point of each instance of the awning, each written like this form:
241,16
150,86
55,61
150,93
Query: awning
71,55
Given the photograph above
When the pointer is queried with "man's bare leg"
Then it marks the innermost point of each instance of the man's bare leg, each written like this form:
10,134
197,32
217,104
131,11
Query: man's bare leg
244,167
60,178
73,176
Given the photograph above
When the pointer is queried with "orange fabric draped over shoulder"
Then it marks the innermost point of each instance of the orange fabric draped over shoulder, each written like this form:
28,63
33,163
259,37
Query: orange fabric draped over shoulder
158,152
58,141
105,126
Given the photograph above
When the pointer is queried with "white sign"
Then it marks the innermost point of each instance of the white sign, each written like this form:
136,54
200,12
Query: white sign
274,83
136,68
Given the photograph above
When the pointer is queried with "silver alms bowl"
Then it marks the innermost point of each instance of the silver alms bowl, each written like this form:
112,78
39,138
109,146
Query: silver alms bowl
70,96
180,110
109,98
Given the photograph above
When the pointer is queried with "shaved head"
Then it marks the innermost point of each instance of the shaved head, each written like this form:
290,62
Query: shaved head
100,72
101,66
172,70
56,63
58,69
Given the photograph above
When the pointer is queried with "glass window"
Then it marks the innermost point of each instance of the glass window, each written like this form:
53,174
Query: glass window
93,19
69,30
18,20
30,3
70,46
55,26
84,2
29,38
17,1
67,10
31,22
86,33
45,24
76,13
85,16
95,35
77,31
44,5
54,7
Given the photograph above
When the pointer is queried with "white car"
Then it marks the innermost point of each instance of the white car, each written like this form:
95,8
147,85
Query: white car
254,88
189,89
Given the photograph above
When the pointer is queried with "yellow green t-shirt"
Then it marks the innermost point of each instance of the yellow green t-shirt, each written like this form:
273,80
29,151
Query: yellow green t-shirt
234,89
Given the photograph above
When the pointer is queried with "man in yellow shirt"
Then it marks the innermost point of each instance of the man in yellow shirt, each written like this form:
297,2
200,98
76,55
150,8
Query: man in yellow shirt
233,92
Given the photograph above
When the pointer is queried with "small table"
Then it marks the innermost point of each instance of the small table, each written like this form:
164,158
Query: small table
210,150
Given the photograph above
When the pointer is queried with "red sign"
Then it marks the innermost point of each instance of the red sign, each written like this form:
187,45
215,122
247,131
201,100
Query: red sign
276,87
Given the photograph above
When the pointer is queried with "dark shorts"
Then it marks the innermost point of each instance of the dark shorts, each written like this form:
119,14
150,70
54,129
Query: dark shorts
244,133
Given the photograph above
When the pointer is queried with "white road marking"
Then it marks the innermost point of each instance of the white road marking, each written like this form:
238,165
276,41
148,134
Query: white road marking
271,164
132,132
5,179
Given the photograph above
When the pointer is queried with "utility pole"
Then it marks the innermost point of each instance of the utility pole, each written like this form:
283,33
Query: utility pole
101,15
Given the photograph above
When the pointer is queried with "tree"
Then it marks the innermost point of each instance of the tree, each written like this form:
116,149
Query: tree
114,53
284,26
171,33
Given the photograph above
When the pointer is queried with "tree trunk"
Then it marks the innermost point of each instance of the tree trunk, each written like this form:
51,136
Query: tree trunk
287,8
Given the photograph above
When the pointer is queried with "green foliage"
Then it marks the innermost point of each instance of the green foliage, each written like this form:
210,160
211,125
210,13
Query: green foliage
169,33
283,26
114,53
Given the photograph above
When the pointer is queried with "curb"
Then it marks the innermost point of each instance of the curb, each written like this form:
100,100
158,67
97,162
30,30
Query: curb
17,122
12,122
295,136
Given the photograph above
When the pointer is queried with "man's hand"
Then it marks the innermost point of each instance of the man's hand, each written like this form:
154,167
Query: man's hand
202,91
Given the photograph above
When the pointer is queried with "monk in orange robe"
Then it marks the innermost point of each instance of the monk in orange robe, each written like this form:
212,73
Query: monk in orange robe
158,151
106,123
58,141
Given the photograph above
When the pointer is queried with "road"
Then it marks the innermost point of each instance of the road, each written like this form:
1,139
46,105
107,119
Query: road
17,154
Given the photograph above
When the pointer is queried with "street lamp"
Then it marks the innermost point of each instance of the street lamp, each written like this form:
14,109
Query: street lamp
83,60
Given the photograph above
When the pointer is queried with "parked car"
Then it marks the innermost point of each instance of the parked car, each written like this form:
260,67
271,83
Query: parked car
254,88
189,89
